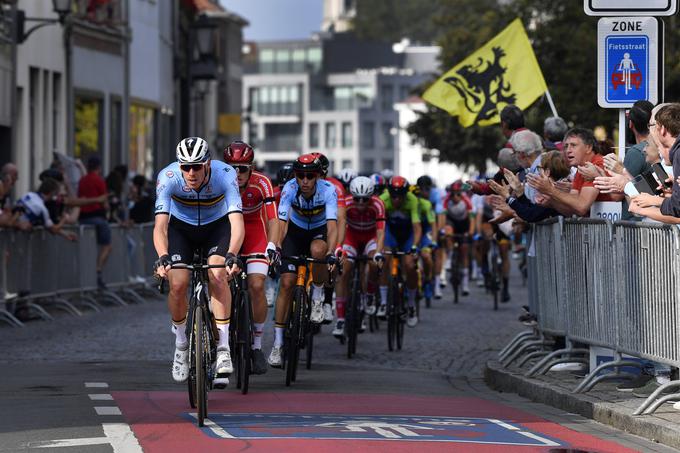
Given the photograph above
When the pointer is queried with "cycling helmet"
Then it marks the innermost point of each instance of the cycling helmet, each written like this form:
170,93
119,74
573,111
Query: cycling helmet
192,150
361,186
307,162
397,186
346,176
239,152
378,183
425,182
325,163
387,173
456,186
285,173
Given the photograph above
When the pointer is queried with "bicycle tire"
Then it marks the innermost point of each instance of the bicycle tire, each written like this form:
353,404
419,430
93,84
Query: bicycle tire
352,315
496,282
293,346
201,389
234,336
391,318
245,342
455,275
191,382
400,317
309,347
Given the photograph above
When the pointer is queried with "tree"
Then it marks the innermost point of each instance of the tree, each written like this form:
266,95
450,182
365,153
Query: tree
392,20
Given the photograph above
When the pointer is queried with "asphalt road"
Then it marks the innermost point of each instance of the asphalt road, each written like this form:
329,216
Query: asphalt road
101,383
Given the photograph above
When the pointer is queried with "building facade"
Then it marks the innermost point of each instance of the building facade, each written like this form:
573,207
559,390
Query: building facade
333,94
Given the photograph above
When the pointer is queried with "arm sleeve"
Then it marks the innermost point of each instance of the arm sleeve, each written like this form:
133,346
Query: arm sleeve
531,212
332,205
163,193
413,204
340,197
671,206
429,213
269,200
287,194
232,195
380,213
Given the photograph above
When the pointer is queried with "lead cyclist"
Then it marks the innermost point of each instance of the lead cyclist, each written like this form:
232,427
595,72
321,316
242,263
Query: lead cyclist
198,206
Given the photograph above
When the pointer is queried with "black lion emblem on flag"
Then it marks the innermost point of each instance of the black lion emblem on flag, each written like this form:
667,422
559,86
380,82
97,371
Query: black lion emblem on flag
483,87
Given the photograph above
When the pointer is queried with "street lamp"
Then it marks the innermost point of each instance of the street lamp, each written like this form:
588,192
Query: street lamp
205,36
201,67
61,7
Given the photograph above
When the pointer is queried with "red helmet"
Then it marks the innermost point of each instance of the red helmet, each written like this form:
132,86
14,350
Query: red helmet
456,186
398,186
307,162
239,152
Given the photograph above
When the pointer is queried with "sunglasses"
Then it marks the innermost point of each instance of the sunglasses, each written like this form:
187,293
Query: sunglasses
188,167
305,175
242,168
361,199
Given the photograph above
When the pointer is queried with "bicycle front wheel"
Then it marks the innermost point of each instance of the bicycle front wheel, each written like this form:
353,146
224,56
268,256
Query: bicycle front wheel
245,341
293,337
401,310
199,350
392,315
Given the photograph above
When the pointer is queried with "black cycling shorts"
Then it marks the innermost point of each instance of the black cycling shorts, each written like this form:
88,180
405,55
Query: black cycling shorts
184,238
298,241
459,226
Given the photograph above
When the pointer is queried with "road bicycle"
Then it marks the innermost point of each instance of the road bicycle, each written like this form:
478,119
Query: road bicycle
396,309
353,309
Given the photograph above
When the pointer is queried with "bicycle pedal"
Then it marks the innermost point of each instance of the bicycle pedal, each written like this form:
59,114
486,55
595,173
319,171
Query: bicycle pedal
220,383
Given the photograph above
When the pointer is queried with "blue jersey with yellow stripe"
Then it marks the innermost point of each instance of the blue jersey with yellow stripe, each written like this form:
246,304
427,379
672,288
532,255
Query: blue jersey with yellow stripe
308,213
217,197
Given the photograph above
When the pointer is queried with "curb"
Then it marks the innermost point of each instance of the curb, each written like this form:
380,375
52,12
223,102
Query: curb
617,415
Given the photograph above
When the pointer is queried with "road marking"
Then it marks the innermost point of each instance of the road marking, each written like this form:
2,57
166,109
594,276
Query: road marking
118,435
100,397
548,442
107,410
96,385
215,428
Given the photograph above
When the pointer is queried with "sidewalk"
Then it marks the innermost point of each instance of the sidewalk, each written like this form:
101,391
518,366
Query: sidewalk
603,403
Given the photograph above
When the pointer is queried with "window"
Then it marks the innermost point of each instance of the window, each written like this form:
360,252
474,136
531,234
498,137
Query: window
314,58
299,60
267,60
346,135
87,127
387,164
283,60
330,135
387,138
276,100
313,135
142,139
368,135
346,163
386,97
367,165
56,108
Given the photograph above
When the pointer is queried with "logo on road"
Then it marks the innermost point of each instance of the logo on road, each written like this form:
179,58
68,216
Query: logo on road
373,427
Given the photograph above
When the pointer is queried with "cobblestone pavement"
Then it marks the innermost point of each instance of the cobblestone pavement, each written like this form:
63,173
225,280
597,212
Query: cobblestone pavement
455,339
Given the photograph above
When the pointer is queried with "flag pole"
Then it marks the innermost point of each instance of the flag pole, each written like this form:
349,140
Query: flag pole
550,101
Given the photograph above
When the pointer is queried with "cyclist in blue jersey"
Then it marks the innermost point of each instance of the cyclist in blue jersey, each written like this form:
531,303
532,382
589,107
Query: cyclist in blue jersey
198,206
429,191
308,213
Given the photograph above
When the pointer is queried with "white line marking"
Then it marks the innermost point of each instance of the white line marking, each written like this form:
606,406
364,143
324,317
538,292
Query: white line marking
118,435
101,385
548,443
503,424
100,397
107,410
212,426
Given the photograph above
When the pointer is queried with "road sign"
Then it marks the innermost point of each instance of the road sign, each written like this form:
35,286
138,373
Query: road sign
627,61
630,7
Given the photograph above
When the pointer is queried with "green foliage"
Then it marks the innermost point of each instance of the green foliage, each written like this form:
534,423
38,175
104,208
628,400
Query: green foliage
391,20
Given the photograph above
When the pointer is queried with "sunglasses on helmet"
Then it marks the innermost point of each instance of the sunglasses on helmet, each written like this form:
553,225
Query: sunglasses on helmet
188,167
242,168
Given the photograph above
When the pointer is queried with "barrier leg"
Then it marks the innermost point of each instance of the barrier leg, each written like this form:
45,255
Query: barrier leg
548,361
645,407
10,319
524,348
133,295
517,345
115,298
65,305
533,355
516,339
592,379
41,311
87,301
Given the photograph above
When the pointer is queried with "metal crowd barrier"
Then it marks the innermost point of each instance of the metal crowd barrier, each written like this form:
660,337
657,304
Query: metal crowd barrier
601,284
39,270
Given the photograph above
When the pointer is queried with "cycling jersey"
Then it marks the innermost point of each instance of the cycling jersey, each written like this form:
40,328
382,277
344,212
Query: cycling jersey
366,220
457,211
340,191
34,210
437,200
309,213
217,197
277,195
258,209
399,231
426,214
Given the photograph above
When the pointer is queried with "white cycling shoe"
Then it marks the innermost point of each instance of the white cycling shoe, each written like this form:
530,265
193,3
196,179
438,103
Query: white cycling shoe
180,364
316,316
274,359
223,363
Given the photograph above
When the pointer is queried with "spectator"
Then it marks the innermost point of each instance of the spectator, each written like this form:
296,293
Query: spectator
512,121
528,146
92,185
8,178
664,128
114,184
604,147
554,129
579,146
141,203
34,213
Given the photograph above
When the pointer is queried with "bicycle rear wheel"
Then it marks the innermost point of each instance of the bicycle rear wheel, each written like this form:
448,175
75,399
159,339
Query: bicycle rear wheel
245,340
401,310
352,318
392,316
455,275
293,343
201,388
309,344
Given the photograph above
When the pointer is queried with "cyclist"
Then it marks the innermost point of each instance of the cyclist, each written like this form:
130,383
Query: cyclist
365,236
402,234
308,226
430,192
198,207
342,222
284,175
378,183
346,176
428,241
458,208
259,215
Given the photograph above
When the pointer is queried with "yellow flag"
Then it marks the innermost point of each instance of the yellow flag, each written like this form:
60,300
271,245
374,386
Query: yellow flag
503,71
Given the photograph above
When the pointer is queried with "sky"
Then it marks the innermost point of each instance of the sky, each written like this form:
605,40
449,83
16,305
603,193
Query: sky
278,19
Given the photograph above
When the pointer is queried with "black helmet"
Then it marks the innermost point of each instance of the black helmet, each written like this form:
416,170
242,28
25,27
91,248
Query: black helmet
307,162
325,163
424,182
285,173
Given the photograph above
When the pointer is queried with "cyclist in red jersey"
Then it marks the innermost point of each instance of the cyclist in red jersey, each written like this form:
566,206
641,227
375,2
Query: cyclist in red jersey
261,222
365,236
342,223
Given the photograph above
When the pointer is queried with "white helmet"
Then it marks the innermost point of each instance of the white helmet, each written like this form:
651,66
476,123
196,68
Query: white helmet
361,186
387,173
192,150
346,176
